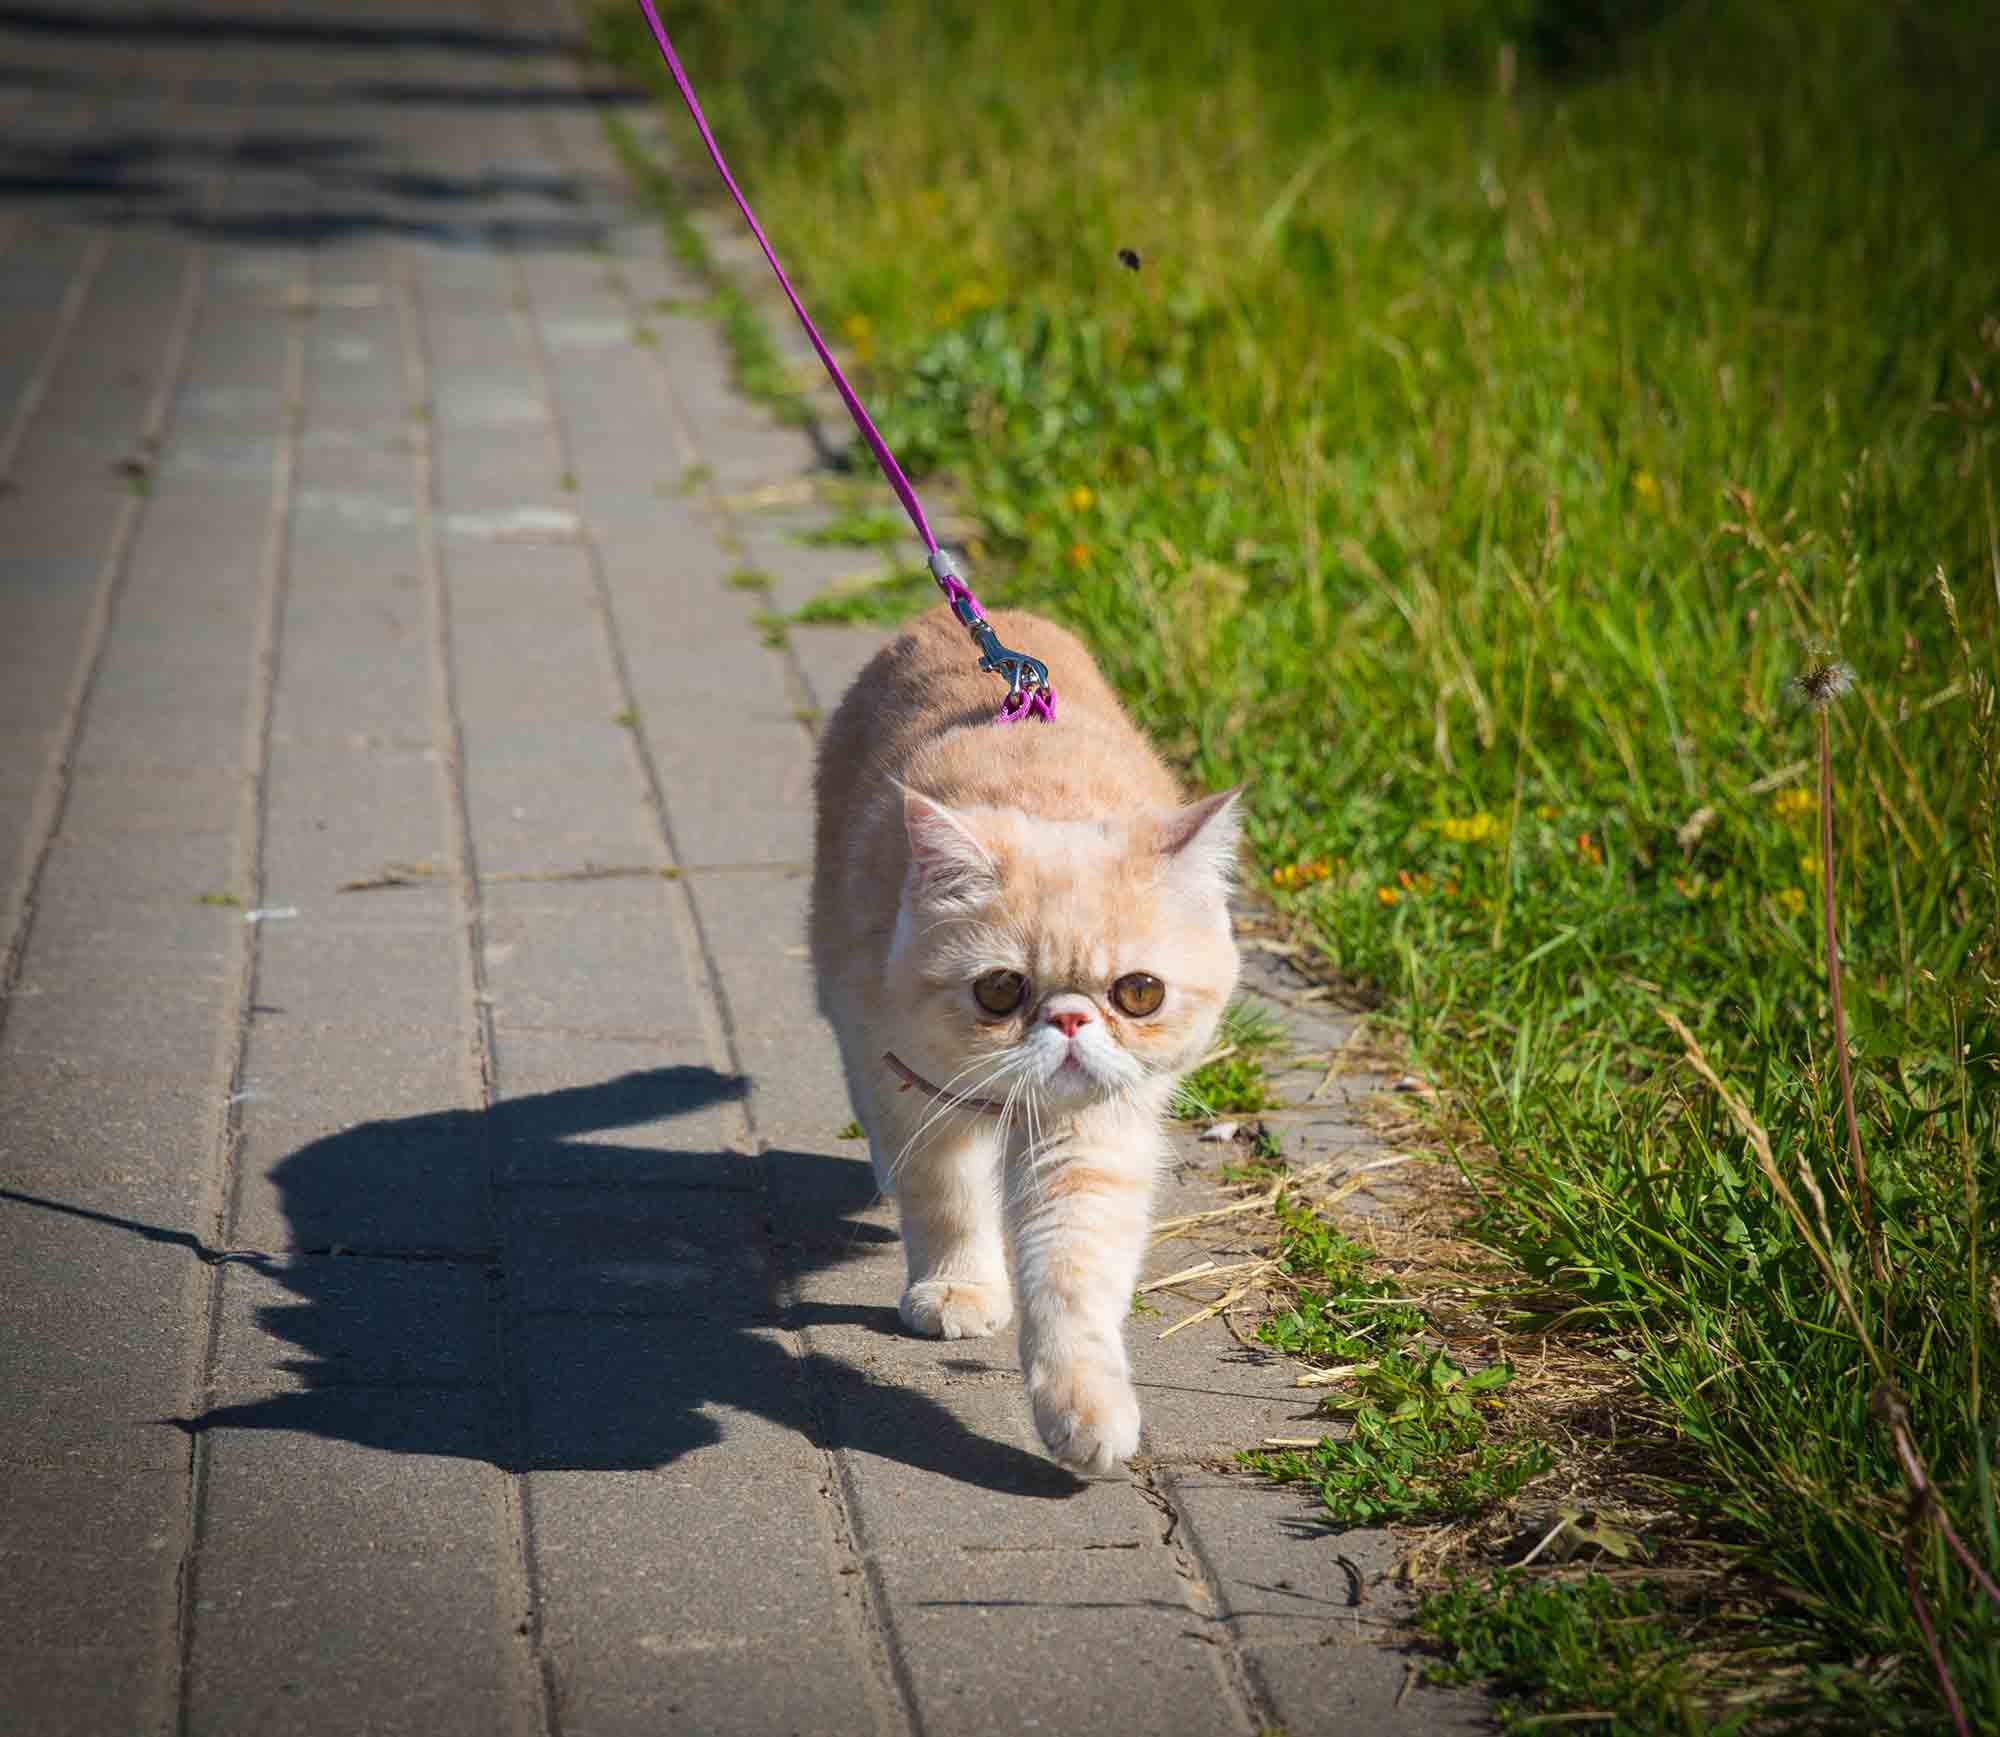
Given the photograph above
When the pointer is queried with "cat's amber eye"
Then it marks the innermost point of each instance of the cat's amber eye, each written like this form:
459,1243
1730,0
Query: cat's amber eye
1000,991
1139,994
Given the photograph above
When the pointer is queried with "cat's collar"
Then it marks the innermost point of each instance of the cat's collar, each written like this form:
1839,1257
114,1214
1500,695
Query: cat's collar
910,1077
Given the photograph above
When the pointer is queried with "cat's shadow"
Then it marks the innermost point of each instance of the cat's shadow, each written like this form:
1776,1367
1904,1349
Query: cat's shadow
505,1285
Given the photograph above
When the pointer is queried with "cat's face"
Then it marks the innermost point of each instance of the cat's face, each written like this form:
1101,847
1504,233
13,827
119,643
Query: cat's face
1062,962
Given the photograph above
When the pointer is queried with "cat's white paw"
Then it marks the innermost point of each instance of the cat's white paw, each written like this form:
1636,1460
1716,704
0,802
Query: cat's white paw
1089,1418
956,1308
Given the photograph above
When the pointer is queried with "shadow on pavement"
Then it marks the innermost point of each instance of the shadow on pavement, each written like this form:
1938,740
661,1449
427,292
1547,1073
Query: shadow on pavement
621,1312
332,187
328,30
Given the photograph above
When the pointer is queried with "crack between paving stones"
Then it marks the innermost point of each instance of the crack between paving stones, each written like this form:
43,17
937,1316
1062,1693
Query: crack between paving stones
535,1701
883,1669
1197,1583
35,389
232,1031
52,792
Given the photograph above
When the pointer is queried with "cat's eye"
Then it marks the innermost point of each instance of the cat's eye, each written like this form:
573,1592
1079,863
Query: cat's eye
1000,991
1139,994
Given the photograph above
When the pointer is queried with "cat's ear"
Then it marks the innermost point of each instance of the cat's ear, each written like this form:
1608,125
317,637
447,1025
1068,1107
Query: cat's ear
1199,842
949,860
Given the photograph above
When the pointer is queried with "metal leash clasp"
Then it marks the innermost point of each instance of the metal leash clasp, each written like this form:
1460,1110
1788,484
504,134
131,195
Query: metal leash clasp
1027,678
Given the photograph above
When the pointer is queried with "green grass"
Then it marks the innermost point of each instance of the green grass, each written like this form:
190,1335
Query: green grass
1231,1081
1549,1648
876,599
858,528
1416,1445
1512,399
1337,1313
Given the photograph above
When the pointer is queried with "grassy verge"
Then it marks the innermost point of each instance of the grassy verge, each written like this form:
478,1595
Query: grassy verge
1509,402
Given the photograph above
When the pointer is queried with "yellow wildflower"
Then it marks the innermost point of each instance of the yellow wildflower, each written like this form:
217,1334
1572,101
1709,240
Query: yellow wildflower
1793,899
1546,811
1646,487
967,298
1388,895
859,331
1293,874
1081,499
1794,803
1809,865
1468,828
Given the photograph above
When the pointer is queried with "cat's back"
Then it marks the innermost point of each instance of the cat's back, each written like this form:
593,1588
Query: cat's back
921,714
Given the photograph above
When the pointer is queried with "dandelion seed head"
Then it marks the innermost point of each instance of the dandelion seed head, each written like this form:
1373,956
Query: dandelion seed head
1822,682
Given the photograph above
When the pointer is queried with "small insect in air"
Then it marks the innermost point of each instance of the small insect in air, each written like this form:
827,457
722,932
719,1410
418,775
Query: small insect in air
1128,257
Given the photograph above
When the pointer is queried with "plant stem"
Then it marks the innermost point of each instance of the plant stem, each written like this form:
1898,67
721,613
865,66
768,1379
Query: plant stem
1833,989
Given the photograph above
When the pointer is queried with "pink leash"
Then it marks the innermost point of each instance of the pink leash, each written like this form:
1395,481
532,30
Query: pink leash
1027,678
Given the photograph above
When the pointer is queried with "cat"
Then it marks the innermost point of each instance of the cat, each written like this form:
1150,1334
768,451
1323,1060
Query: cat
1022,942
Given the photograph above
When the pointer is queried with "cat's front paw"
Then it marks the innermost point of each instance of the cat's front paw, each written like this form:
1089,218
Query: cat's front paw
1088,1417
956,1308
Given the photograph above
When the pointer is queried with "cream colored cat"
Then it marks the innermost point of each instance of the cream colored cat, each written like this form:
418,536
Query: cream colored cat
1022,943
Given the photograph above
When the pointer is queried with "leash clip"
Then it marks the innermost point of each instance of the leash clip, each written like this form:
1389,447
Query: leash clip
1027,678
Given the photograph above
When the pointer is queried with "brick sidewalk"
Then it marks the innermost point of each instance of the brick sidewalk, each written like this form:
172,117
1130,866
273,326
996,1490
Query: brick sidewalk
447,1306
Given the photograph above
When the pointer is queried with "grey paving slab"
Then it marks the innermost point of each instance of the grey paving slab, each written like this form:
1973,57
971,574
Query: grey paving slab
715,1565
589,958
293,1330
131,1144
416,1182
86,1690
1089,1640
347,1576
623,1251
935,1464
94,1356
628,1393
586,1111
1352,1681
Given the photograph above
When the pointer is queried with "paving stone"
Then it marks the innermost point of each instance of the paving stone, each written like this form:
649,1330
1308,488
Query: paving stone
96,1358
87,1690
590,1110
128,1143
638,1252
591,958
1280,1576
314,1531
720,1567
1084,1640
932,1462
633,1393
89,1554
1354,1682
311,1322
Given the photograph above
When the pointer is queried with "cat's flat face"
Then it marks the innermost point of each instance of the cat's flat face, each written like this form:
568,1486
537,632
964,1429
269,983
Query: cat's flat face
1062,962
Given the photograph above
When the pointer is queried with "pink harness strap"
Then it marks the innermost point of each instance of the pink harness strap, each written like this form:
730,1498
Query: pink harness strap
1027,678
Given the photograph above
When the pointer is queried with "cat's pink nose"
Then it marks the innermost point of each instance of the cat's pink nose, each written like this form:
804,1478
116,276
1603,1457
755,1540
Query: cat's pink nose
1070,1020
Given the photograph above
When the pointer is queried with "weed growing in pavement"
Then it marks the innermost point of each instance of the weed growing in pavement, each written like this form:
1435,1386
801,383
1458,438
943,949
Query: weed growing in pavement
1230,1080
1416,1444
857,528
879,599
